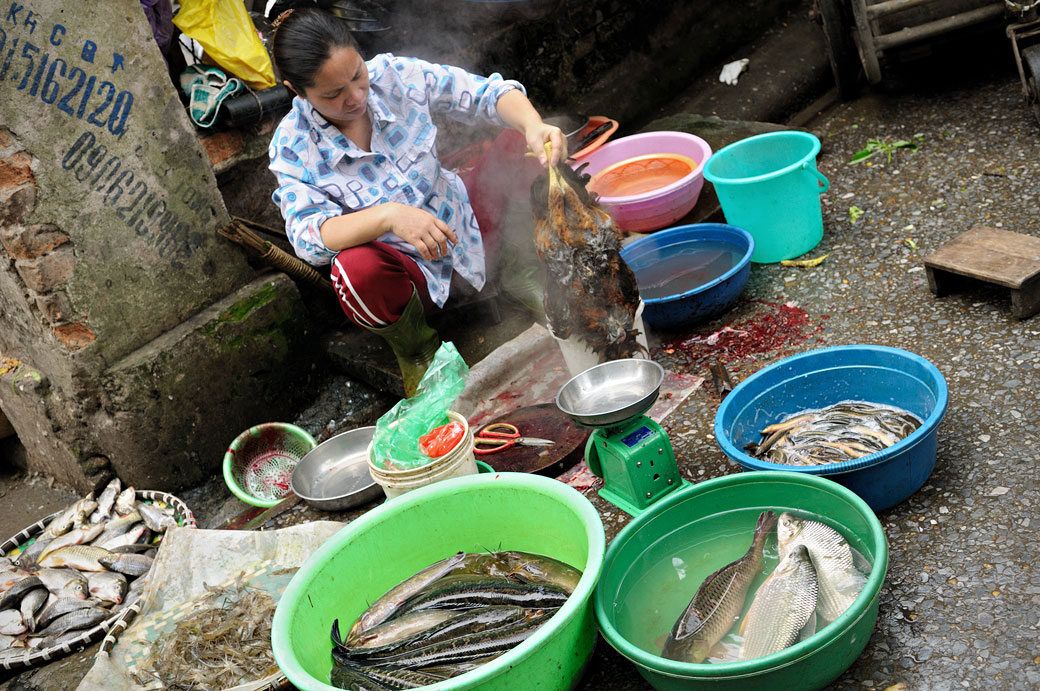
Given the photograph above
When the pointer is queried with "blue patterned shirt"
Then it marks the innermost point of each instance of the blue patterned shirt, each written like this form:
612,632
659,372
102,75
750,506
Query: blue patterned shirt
322,174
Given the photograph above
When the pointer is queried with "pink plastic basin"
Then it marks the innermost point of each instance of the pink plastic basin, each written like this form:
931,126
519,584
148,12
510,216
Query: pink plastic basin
660,207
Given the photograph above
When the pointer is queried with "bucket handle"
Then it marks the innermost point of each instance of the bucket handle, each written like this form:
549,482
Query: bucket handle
819,176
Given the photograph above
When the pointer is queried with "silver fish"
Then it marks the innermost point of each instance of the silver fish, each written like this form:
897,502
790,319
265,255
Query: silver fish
11,622
118,526
63,521
106,500
402,627
63,580
32,553
128,538
717,602
13,595
79,557
136,548
126,501
77,536
63,606
107,587
840,581
387,604
6,641
782,606
155,518
31,604
79,619
130,564
12,576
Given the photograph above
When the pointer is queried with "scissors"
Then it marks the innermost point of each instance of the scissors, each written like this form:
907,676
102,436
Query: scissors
500,436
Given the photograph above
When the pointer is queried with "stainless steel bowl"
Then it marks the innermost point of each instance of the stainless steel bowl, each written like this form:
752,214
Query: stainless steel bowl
334,476
611,392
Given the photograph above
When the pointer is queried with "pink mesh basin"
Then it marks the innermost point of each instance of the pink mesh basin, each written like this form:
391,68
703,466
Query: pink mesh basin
670,196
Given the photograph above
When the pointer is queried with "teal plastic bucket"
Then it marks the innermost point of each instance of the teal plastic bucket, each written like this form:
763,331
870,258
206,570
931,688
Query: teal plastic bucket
769,186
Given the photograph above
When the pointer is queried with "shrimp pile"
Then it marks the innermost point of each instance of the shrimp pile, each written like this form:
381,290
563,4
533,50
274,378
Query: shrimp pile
219,645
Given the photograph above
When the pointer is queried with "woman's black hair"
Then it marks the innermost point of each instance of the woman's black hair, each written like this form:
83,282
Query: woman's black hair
303,41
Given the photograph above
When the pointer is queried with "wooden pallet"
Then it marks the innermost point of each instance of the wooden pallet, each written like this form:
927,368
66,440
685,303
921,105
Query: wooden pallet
992,255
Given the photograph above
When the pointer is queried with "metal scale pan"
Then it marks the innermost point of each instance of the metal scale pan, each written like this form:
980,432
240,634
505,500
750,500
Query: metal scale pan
612,392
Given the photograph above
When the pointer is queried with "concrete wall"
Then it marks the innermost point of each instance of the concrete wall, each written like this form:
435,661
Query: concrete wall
110,264
622,58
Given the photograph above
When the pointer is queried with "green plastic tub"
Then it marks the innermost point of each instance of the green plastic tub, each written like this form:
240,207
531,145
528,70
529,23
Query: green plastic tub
512,511
656,563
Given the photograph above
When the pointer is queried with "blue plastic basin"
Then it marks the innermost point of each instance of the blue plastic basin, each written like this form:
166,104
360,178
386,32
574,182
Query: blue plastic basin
877,374
704,301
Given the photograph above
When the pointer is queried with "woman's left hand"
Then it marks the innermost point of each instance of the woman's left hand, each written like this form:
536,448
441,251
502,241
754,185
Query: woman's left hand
541,133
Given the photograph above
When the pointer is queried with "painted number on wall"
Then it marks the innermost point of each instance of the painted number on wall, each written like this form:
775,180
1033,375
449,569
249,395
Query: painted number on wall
69,88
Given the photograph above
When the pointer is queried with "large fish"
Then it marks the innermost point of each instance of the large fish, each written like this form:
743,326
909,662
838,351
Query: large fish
155,518
63,606
77,619
388,604
64,582
31,554
13,595
106,586
130,537
11,622
31,604
105,502
118,526
79,557
782,607
129,564
126,501
718,601
64,521
840,581
77,536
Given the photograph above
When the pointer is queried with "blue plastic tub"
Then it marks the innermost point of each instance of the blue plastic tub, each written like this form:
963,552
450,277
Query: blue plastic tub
697,240
822,377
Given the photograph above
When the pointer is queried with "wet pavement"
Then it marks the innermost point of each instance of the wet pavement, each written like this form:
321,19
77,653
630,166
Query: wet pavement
961,602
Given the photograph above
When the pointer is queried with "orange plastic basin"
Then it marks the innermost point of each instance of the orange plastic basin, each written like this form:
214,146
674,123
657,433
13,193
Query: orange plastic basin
641,174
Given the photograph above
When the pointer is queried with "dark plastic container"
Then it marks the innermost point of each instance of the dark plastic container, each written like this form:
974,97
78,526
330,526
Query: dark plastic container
877,374
706,300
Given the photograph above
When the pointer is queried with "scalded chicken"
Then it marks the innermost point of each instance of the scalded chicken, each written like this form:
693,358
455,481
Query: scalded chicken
590,291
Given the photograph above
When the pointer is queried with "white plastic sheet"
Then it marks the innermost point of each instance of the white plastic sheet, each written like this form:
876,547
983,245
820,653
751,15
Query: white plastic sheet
189,560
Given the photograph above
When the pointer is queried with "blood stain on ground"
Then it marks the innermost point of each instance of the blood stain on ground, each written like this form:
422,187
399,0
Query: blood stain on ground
775,330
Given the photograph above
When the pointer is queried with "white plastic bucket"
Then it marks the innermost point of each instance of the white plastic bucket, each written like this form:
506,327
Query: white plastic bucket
456,463
579,357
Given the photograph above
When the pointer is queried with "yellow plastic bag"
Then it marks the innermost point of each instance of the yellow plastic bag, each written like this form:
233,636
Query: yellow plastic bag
225,31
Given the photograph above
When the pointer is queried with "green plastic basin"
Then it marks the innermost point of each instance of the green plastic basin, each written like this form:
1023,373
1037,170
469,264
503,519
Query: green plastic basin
511,511
656,563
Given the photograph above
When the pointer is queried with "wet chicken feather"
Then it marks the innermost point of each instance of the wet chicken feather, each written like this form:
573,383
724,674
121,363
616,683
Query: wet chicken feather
591,293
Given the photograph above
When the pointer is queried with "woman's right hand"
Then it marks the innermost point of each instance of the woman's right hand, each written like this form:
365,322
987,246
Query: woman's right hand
421,229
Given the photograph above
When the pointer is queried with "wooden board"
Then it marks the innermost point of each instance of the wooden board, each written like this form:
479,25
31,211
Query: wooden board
544,420
992,255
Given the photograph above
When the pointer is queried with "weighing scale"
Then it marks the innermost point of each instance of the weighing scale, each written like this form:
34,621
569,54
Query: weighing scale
627,449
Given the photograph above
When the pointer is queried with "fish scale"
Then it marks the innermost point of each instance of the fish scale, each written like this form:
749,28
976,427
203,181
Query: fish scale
840,582
782,606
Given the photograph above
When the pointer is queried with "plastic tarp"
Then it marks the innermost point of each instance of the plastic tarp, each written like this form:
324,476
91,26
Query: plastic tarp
190,560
